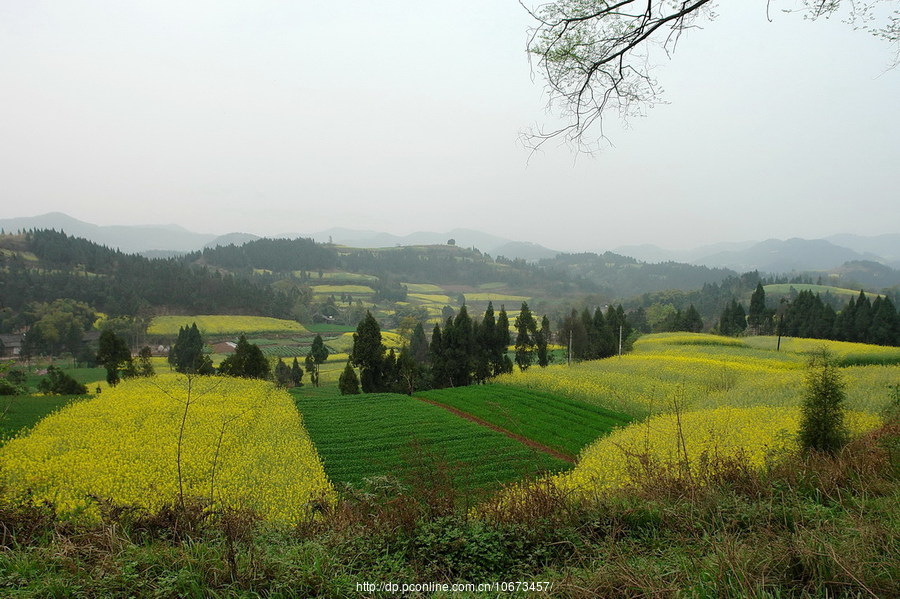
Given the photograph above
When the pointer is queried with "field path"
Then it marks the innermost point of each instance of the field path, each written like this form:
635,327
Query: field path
524,440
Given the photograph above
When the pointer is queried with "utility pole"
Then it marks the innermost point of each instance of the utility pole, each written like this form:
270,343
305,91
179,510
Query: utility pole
620,341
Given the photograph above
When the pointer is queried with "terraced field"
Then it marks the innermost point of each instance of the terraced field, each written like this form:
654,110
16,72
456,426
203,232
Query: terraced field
382,434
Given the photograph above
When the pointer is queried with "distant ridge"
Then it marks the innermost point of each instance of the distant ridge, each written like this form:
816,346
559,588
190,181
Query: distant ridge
132,239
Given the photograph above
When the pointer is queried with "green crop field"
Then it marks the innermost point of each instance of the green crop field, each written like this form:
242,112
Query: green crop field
561,423
24,411
360,436
223,325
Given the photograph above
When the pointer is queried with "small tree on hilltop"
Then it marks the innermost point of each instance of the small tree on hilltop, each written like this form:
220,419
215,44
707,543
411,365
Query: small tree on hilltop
822,425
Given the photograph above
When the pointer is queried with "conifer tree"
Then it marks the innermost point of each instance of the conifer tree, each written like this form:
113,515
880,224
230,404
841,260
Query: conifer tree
283,374
500,361
296,373
525,330
418,344
368,354
822,425
757,315
348,383
247,361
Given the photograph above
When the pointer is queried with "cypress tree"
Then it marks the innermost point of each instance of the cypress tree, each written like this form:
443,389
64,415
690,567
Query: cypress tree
418,344
296,373
525,330
500,363
348,383
368,354
757,314
436,357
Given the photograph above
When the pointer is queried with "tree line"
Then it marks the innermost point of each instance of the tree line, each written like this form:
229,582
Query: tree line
467,351
861,320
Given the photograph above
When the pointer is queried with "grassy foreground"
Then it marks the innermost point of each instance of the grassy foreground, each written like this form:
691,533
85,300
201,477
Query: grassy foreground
812,527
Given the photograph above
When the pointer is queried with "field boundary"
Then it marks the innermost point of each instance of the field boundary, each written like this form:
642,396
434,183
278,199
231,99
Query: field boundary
516,437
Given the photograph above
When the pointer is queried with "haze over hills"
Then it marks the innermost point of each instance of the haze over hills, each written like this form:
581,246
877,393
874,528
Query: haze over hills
772,255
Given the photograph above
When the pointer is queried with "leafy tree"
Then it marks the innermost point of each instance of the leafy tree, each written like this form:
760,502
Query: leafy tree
112,353
58,382
12,380
348,383
317,356
247,361
822,425
145,364
368,354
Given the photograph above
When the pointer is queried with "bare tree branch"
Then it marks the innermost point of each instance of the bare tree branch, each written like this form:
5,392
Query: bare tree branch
594,54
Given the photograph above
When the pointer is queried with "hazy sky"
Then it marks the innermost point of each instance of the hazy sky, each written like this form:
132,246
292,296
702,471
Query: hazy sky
270,117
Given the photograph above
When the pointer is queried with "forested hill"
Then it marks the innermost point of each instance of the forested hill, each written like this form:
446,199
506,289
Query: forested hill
612,275
624,277
41,266
45,265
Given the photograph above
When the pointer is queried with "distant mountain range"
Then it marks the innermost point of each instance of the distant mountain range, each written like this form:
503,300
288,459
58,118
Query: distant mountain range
769,256
780,256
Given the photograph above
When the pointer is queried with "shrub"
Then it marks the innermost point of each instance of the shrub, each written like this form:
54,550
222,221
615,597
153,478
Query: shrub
58,382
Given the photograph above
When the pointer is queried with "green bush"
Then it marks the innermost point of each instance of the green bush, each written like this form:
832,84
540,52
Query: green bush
58,382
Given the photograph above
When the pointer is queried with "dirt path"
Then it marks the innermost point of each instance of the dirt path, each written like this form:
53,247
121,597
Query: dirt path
524,440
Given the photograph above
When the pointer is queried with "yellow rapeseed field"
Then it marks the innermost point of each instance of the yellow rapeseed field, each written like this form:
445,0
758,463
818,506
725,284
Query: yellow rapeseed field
151,442
755,434
219,324
707,371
